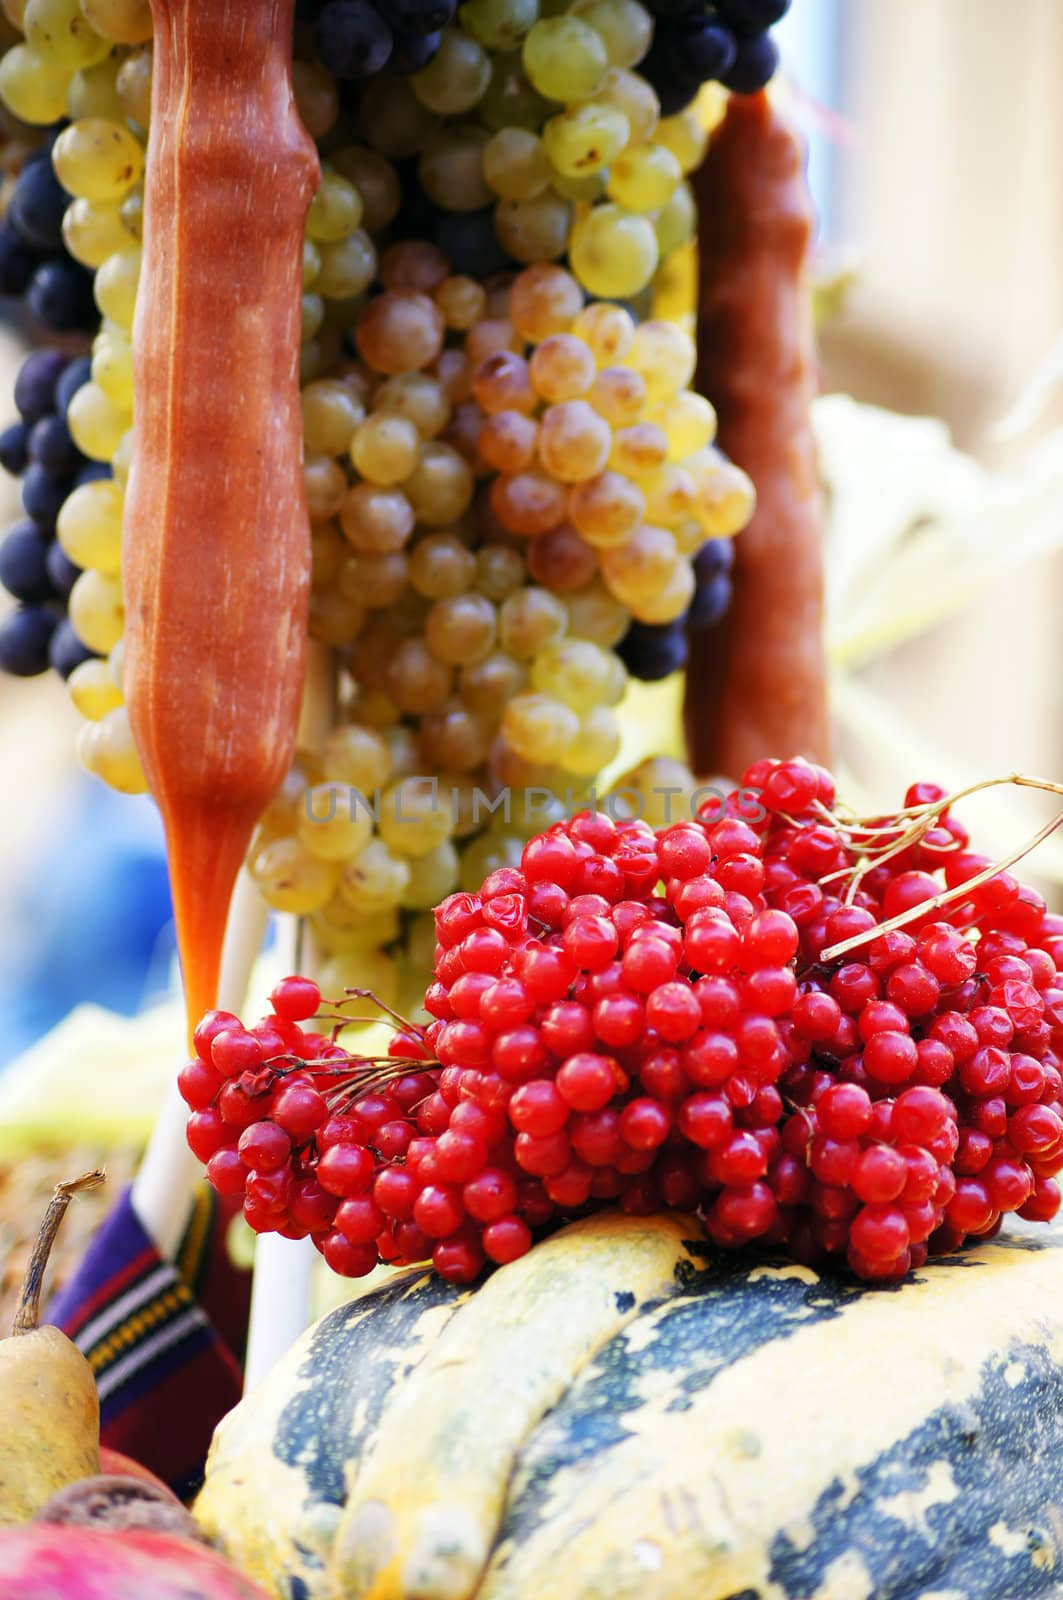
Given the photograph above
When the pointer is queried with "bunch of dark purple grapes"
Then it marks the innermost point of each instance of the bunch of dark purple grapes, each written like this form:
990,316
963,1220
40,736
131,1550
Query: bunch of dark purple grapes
728,42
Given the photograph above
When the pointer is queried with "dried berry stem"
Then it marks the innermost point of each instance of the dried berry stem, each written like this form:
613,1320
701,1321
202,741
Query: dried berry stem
27,1313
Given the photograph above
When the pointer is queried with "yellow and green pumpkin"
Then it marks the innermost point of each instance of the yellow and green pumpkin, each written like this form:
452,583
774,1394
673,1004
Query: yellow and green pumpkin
625,1414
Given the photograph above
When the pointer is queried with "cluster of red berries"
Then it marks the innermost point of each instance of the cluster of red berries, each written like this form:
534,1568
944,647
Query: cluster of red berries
656,1019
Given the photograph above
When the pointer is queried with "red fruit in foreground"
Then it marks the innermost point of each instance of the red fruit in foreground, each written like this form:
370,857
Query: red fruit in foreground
45,1562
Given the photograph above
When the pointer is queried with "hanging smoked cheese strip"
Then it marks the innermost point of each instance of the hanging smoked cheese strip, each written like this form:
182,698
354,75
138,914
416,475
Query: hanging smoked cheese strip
757,684
216,554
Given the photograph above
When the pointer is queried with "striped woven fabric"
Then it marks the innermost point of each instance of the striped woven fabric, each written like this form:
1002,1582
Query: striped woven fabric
163,1338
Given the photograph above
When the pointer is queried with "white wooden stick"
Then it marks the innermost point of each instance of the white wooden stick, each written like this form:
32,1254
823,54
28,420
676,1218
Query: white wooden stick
280,1288
165,1183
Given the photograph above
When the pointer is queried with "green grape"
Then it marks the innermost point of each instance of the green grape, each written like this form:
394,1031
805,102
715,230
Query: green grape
561,560
375,880
543,300
357,755
670,601
534,230
641,566
688,421
115,664
461,629
507,441
441,565
401,330
331,412
671,497
415,816
644,178
97,160
574,441
93,690
607,331
487,854
584,138
509,101
612,252
606,510
618,395
375,520
726,498
487,686
123,21
341,925
562,368
385,449
405,752
115,286
440,488
375,707
312,315
498,24
97,611
131,212
134,85
583,190
665,356
347,267
107,748
327,554
94,230
93,92
112,368
529,620
574,671
538,727
32,87
122,458
333,823
596,614
59,32
676,222
419,398
451,171
456,77
432,877
499,571
96,424
336,209
629,93
529,503
686,137
326,485
420,947
461,300
374,581
290,878
375,179
392,120
564,58
515,164
625,26
334,620
596,744
416,679
361,969
454,739
640,450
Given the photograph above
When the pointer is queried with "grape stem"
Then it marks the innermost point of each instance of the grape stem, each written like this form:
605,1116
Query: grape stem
923,818
28,1311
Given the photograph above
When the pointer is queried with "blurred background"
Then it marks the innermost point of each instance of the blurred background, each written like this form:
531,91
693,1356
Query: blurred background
936,162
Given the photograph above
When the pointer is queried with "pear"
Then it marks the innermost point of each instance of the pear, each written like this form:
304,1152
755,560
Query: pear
49,1405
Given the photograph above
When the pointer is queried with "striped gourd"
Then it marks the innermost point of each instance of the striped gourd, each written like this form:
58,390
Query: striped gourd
619,1417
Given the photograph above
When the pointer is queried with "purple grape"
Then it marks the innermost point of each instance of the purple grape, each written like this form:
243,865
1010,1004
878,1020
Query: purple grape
51,446
413,51
417,16
36,381
61,570
13,448
92,472
24,563
18,262
43,494
25,640
710,603
469,242
652,652
351,39
66,650
36,207
752,16
77,373
716,556
754,64
60,296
